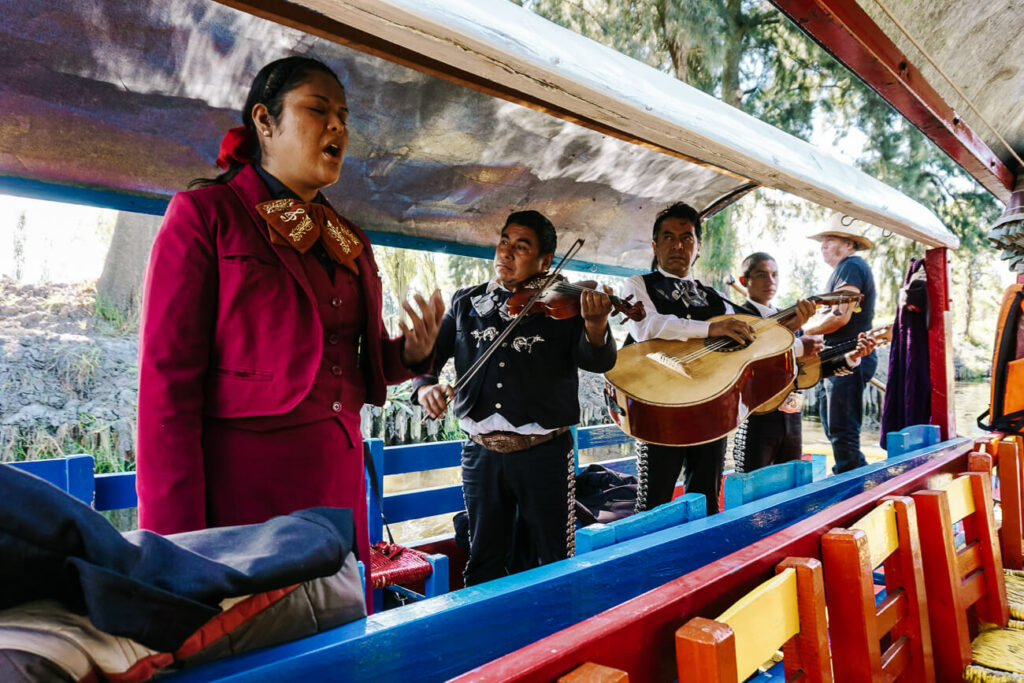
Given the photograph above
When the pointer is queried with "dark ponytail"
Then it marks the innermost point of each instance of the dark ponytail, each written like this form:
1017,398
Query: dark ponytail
272,83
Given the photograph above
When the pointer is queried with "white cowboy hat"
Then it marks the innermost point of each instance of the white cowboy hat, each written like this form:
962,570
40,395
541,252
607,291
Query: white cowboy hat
841,225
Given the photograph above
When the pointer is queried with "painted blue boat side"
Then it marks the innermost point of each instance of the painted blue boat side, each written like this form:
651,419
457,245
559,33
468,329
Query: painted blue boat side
73,474
422,456
445,636
685,508
910,439
739,488
401,507
116,491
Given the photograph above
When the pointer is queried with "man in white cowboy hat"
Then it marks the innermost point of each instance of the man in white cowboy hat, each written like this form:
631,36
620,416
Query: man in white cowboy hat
843,409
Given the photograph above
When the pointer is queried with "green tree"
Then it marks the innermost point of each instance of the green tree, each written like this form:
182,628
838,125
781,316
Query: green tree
750,56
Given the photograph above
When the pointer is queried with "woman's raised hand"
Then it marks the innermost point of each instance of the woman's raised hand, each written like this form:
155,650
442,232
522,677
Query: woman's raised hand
421,332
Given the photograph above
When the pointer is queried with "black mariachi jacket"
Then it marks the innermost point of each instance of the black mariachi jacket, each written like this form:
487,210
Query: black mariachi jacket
531,377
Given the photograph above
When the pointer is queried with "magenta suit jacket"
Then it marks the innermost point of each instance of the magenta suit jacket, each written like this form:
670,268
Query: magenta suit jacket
229,329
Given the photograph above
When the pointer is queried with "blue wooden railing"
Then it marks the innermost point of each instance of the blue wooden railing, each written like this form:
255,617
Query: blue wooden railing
75,474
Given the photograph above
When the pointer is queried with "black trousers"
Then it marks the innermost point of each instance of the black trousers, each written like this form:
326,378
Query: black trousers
768,439
520,507
658,468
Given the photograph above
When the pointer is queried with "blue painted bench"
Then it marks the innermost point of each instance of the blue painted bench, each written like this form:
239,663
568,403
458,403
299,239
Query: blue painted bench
685,508
76,475
910,439
741,488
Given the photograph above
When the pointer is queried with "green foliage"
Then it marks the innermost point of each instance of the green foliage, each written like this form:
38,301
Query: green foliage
111,320
747,54
90,436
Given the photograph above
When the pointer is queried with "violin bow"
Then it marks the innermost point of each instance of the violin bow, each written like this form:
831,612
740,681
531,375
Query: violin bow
573,250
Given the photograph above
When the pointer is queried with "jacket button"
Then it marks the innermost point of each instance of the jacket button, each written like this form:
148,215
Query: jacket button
336,406
499,385
501,364
336,370
336,302
332,339
497,406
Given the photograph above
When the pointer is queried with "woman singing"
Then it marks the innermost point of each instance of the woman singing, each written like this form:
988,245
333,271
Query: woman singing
262,332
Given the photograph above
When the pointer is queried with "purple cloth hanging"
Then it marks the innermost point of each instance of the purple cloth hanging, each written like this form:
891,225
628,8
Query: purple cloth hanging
908,390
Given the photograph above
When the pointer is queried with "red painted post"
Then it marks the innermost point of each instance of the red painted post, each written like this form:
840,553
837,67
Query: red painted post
706,652
595,673
808,651
1011,487
993,607
907,568
940,339
856,649
951,640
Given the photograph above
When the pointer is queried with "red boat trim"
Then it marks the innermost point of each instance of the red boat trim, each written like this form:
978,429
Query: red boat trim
847,32
638,635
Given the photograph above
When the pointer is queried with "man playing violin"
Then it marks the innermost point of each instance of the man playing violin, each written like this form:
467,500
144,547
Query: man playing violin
518,409
678,307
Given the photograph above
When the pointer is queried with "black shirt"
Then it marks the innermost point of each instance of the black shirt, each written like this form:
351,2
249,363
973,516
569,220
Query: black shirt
853,270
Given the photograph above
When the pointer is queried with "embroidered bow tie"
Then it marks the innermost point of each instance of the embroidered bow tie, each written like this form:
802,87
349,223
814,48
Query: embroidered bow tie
689,292
300,225
486,303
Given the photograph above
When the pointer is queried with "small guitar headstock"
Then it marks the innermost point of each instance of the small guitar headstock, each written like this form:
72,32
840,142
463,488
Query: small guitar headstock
837,298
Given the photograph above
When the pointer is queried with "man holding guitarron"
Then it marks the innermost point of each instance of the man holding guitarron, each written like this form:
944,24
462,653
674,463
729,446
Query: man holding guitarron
678,307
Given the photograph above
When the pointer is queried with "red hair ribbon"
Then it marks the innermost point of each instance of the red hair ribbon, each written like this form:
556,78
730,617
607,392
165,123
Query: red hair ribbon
237,145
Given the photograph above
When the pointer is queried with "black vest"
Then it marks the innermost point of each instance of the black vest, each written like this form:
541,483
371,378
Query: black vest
531,377
660,288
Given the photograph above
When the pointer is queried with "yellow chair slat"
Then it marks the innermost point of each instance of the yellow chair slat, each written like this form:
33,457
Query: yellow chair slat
763,620
880,527
961,498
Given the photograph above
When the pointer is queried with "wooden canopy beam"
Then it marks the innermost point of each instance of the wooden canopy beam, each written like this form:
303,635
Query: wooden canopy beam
849,34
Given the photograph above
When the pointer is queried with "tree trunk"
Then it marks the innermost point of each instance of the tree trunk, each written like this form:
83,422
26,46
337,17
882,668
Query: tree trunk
972,282
732,94
678,45
120,284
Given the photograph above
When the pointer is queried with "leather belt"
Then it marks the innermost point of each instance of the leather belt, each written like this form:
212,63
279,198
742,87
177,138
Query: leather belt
510,442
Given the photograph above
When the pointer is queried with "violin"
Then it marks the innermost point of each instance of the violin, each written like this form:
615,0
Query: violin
561,300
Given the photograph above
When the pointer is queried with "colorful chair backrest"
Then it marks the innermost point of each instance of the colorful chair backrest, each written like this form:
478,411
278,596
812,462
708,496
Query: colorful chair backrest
958,578
888,536
787,611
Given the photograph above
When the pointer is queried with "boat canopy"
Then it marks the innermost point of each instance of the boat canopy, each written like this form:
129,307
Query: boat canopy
461,111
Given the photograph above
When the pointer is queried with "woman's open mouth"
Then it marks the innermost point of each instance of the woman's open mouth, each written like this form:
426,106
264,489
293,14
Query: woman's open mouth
333,152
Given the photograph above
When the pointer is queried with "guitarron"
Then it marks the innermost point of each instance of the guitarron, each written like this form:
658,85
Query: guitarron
684,393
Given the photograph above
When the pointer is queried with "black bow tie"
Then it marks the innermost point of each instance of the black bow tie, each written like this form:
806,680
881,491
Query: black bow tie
689,293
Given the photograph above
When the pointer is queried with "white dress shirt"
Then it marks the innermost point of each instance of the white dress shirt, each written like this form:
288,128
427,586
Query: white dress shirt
768,311
660,325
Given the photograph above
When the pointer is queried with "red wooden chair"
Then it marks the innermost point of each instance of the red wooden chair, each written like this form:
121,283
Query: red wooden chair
886,536
594,673
965,585
1006,453
787,611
